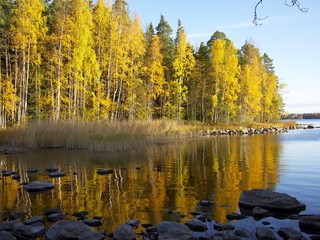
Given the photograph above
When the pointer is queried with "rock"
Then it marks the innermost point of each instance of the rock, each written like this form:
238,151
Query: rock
290,233
32,171
80,215
104,171
173,230
71,229
259,212
7,236
196,225
264,233
54,217
7,226
16,176
92,222
152,229
270,200
52,169
133,223
241,233
235,216
17,215
33,220
310,224
6,173
39,186
29,231
223,227
57,174
146,225
48,212
205,203
124,232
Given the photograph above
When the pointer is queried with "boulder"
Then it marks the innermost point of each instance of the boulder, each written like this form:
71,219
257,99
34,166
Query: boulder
29,231
124,232
310,224
270,200
39,186
259,212
56,174
290,233
264,233
71,229
104,171
173,230
196,225
7,236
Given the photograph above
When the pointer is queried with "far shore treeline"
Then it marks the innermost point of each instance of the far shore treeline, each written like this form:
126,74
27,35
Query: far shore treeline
75,60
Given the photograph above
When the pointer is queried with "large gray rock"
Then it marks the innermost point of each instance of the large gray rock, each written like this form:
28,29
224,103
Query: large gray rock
196,225
39,186
70,229
124,232
310,224
270,200
172,230
29,231
264,233
290,233
7,236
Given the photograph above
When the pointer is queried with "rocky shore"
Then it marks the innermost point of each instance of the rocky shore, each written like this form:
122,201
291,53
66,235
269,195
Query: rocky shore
263,215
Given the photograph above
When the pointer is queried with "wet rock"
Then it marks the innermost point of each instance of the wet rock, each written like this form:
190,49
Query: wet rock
223,227
259,212
6,173
92,222
52,169
146,225
196,225
152,229
17,215
290,233
205,203
235,216
133,223
7,226
56,217
270,200
310,224
32,171
71,229
264,233
39,186
124,232
80,215
33,220
48,212
56,174
16,176
173,230
241,233
104,171
29,231
7,236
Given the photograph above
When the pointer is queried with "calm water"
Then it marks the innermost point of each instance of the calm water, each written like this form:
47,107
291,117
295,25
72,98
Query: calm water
176,176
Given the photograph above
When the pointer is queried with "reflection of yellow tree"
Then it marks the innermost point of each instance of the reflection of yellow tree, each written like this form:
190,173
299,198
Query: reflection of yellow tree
173,176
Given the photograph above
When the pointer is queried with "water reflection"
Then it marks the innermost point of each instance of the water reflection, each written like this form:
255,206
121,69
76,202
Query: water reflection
146,182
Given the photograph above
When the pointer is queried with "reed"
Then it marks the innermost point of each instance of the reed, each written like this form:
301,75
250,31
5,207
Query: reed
107,136
95,136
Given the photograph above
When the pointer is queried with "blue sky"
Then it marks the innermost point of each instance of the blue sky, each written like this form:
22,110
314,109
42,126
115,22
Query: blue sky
291,38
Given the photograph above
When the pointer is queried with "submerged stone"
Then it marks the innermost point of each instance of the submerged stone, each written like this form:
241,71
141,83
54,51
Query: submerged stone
56,174
310,224
173,230
39,186
124,232
196,225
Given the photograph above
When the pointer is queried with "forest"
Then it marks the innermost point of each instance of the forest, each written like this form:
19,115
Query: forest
73,60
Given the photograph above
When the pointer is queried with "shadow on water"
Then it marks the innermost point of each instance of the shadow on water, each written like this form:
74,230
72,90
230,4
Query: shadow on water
158,183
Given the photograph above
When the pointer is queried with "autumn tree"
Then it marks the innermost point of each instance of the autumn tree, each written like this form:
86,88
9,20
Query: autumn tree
225,74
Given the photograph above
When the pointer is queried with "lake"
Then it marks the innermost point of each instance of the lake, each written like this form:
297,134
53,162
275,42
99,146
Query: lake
149,183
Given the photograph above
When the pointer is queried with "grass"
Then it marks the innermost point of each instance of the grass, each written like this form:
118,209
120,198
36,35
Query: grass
106,136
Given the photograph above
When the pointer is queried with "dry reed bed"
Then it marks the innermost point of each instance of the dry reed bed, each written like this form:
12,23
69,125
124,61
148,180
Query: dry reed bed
106,136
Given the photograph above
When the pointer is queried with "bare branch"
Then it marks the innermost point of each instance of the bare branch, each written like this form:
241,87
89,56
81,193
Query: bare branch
258,20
